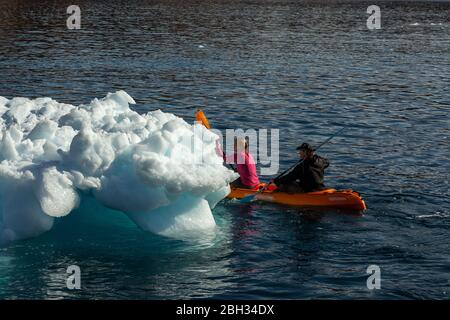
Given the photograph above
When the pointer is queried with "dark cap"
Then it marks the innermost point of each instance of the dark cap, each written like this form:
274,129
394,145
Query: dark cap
305,146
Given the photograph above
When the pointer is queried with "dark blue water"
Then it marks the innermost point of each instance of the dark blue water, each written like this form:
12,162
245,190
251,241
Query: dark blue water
306,68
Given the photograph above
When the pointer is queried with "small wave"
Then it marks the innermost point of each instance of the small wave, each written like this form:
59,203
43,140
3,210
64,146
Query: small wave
416,24
434,215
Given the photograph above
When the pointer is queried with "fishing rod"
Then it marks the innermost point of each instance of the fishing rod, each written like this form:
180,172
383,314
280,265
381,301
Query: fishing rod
301,161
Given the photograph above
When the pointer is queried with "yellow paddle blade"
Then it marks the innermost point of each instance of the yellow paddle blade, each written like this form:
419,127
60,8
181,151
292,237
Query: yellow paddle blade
200,117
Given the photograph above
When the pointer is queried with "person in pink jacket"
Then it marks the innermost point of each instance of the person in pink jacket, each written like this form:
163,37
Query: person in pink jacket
244,165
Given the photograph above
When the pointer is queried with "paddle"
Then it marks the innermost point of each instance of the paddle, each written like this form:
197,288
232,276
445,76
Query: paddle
201,118
250,198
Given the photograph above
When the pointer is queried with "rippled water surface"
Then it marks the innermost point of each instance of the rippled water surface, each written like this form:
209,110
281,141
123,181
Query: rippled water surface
306,68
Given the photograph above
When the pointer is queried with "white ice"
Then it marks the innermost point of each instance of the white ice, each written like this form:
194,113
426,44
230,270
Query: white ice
155,167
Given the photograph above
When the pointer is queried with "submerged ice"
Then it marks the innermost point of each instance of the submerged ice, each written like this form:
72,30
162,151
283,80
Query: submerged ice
159,170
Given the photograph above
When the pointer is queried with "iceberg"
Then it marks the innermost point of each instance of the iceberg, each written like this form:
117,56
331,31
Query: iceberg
160,171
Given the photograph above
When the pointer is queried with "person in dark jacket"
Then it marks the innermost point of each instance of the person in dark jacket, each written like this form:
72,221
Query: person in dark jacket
307,176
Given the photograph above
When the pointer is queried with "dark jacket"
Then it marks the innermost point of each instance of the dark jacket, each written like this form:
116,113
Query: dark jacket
309,173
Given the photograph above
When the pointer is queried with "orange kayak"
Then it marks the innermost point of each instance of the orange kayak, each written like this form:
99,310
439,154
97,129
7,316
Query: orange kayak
328,198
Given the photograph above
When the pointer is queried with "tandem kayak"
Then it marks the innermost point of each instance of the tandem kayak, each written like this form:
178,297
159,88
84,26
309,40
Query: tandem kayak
328,198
